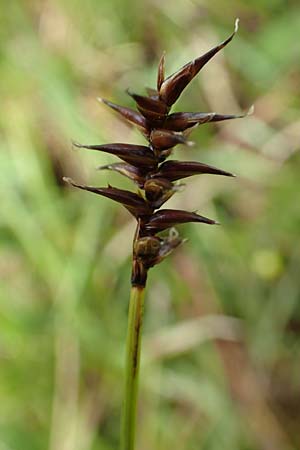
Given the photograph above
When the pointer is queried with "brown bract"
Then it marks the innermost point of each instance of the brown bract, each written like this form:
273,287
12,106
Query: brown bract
176,170
146,165
167,218
173,86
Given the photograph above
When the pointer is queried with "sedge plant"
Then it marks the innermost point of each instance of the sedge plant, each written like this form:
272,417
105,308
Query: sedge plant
155,179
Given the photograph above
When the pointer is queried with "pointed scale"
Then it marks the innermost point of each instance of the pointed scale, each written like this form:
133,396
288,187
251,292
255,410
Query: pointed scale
166,218
183,120
133,173
129,114
176,170
161,72
137,155
173,86
135,204
152,108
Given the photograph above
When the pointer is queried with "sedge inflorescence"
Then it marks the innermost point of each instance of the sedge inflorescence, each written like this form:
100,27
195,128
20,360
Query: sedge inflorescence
147,167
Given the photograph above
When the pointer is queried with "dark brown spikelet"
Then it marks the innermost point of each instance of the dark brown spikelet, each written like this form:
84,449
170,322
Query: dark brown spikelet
145,165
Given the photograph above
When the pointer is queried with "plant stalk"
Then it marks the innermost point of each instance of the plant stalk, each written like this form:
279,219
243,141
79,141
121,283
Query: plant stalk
133,350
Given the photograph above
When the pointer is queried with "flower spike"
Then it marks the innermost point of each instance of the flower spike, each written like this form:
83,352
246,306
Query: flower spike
147,167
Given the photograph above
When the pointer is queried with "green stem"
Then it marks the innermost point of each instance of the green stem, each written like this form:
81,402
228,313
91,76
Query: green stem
133,350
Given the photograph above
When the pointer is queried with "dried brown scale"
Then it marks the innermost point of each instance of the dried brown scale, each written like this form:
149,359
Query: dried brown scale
166,218
176,170
134,173
137,155
152,108
161,72
173,86
145,165
135,204
129,114
184,121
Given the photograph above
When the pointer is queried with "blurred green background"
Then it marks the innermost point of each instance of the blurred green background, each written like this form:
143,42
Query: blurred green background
221,347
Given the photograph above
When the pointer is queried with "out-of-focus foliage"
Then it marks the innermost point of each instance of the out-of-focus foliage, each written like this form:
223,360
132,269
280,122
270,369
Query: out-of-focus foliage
222,340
